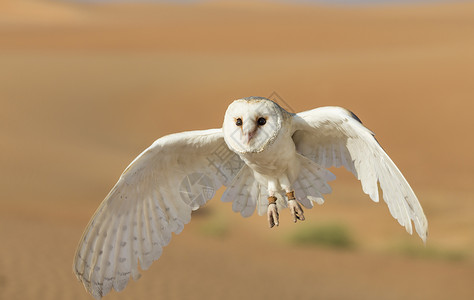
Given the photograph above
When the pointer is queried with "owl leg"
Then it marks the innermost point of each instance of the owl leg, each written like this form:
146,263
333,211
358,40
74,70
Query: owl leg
272,212
295,208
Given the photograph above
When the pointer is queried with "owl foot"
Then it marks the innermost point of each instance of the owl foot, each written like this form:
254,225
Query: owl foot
272,212
295,208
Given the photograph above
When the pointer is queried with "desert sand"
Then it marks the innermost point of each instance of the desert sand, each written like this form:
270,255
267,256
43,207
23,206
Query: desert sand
84,88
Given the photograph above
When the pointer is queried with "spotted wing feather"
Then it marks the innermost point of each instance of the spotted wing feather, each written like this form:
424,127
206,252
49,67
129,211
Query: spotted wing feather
153,198
333,136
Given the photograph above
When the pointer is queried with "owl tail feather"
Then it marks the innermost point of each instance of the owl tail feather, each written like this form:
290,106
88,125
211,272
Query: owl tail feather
242,192
311,183
246,193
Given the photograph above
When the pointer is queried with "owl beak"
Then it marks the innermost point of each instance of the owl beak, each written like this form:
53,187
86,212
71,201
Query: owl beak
248,136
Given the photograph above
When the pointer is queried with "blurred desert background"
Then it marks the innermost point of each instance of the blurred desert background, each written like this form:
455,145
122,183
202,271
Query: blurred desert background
85,87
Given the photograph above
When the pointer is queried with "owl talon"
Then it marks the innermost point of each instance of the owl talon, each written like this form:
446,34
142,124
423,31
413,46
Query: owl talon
295,210
272,215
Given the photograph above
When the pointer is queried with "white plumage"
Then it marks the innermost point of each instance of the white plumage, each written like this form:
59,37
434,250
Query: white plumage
264,155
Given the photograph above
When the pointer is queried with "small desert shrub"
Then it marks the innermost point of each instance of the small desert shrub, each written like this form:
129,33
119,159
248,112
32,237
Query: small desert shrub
333,235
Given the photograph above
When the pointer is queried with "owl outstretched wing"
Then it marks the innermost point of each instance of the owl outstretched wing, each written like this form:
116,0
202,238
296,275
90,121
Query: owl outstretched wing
153,198
334,136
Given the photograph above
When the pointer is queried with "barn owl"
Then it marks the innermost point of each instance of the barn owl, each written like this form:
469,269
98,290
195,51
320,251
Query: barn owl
267,158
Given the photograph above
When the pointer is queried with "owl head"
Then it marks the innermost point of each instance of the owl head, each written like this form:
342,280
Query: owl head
251,124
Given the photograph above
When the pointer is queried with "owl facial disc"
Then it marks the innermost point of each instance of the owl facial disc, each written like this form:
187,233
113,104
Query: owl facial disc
251,124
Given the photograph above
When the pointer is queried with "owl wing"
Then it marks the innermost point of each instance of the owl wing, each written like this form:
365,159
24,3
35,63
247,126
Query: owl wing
334,136
153,198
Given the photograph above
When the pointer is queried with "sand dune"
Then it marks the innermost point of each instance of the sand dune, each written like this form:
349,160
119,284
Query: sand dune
85,88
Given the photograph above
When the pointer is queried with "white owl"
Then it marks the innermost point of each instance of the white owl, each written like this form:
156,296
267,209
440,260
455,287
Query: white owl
267,158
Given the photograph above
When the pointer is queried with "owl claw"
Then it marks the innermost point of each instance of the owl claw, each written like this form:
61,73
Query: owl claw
296,210
272,215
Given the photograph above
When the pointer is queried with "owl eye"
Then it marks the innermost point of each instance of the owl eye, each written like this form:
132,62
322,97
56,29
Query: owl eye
261,121
238,122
